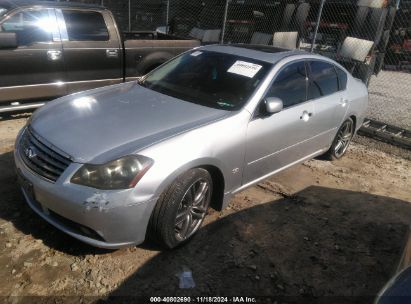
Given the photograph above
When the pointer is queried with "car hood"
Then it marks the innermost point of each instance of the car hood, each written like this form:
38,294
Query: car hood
100,125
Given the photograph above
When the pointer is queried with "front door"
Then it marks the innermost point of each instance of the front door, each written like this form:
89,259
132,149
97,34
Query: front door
35,69
92,51
279,140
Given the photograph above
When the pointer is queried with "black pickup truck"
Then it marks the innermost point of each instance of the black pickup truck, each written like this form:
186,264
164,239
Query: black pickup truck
50,49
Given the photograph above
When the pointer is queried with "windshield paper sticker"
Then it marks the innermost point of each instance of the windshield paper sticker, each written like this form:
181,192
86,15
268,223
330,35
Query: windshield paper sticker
244,68
196,53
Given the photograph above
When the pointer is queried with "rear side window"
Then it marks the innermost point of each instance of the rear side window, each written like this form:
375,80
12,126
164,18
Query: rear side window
323,79
290,85
342,79
85,26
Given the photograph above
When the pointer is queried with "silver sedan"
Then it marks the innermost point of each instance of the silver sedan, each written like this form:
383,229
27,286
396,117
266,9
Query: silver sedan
117,165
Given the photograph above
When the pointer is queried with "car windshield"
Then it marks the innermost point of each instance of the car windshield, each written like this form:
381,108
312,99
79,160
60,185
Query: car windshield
3,11
212,79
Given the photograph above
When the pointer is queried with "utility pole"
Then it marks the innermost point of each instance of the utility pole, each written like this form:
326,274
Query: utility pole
167,15
224,22
129,15
320,12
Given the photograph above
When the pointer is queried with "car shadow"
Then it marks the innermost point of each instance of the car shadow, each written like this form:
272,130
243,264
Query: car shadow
324,244
13,208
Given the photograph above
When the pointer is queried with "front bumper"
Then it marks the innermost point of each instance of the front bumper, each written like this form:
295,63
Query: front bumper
106,219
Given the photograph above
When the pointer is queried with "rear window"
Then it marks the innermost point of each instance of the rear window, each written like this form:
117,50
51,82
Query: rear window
85,26
323,79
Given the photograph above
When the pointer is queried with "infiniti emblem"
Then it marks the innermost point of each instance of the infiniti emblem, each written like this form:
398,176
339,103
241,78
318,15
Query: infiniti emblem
30,152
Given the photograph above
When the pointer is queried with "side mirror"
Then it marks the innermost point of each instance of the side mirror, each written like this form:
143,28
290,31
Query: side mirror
8,40
273,105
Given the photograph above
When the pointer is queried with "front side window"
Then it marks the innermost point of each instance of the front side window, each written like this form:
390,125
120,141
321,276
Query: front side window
32,26
323,79
85,26
212,79
290,85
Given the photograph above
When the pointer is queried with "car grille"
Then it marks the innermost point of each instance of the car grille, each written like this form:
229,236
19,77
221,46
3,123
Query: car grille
40,158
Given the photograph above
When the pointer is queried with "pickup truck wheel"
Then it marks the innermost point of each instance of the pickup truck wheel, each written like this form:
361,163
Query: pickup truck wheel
181,209
342,140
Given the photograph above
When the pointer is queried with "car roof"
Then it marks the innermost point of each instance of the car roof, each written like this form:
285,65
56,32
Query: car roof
19,3
265,53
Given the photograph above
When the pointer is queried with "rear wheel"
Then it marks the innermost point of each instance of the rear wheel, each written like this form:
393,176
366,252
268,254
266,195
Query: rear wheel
181,209
342,140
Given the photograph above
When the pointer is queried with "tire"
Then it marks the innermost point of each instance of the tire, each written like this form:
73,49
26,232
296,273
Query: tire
341,141
181,209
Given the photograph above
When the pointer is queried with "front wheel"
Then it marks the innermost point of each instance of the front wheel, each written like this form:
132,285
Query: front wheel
342,140
181,209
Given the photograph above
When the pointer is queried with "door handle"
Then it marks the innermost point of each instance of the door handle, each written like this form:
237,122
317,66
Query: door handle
306,116
343,102
54,55
112,53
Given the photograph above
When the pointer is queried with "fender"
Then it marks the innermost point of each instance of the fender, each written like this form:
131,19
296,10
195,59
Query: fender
202,162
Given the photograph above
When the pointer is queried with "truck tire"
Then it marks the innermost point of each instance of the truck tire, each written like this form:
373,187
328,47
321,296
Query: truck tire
181,209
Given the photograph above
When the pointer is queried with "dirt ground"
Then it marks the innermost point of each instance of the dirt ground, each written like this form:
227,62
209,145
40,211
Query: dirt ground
318,230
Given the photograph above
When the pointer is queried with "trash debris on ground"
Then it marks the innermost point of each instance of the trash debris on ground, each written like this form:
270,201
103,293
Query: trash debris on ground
186,279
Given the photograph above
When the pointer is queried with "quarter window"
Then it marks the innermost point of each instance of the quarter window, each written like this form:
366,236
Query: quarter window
31,27
323,79
290,85
85,26
342,79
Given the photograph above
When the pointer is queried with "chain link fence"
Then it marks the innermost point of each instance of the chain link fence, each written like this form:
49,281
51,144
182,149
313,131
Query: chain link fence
384,26
369,37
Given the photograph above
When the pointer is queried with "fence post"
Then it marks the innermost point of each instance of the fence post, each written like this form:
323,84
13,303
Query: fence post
167,15
320,12
129,15
224,22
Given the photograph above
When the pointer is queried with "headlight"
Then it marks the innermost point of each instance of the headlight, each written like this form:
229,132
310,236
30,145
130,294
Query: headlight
122,173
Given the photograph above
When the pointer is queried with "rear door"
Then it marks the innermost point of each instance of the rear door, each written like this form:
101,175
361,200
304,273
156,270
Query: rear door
279,140
328,94
35,69
92,51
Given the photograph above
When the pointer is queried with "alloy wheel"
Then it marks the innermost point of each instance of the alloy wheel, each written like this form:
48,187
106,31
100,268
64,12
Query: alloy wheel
344,137
192,209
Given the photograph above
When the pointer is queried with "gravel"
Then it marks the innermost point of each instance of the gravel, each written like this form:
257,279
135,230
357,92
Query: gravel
354,214
387,148
390,98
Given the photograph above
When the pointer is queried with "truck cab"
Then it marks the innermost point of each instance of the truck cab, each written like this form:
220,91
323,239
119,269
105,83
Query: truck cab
51,49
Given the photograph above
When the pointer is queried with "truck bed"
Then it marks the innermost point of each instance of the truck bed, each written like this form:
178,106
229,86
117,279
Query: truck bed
145,51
